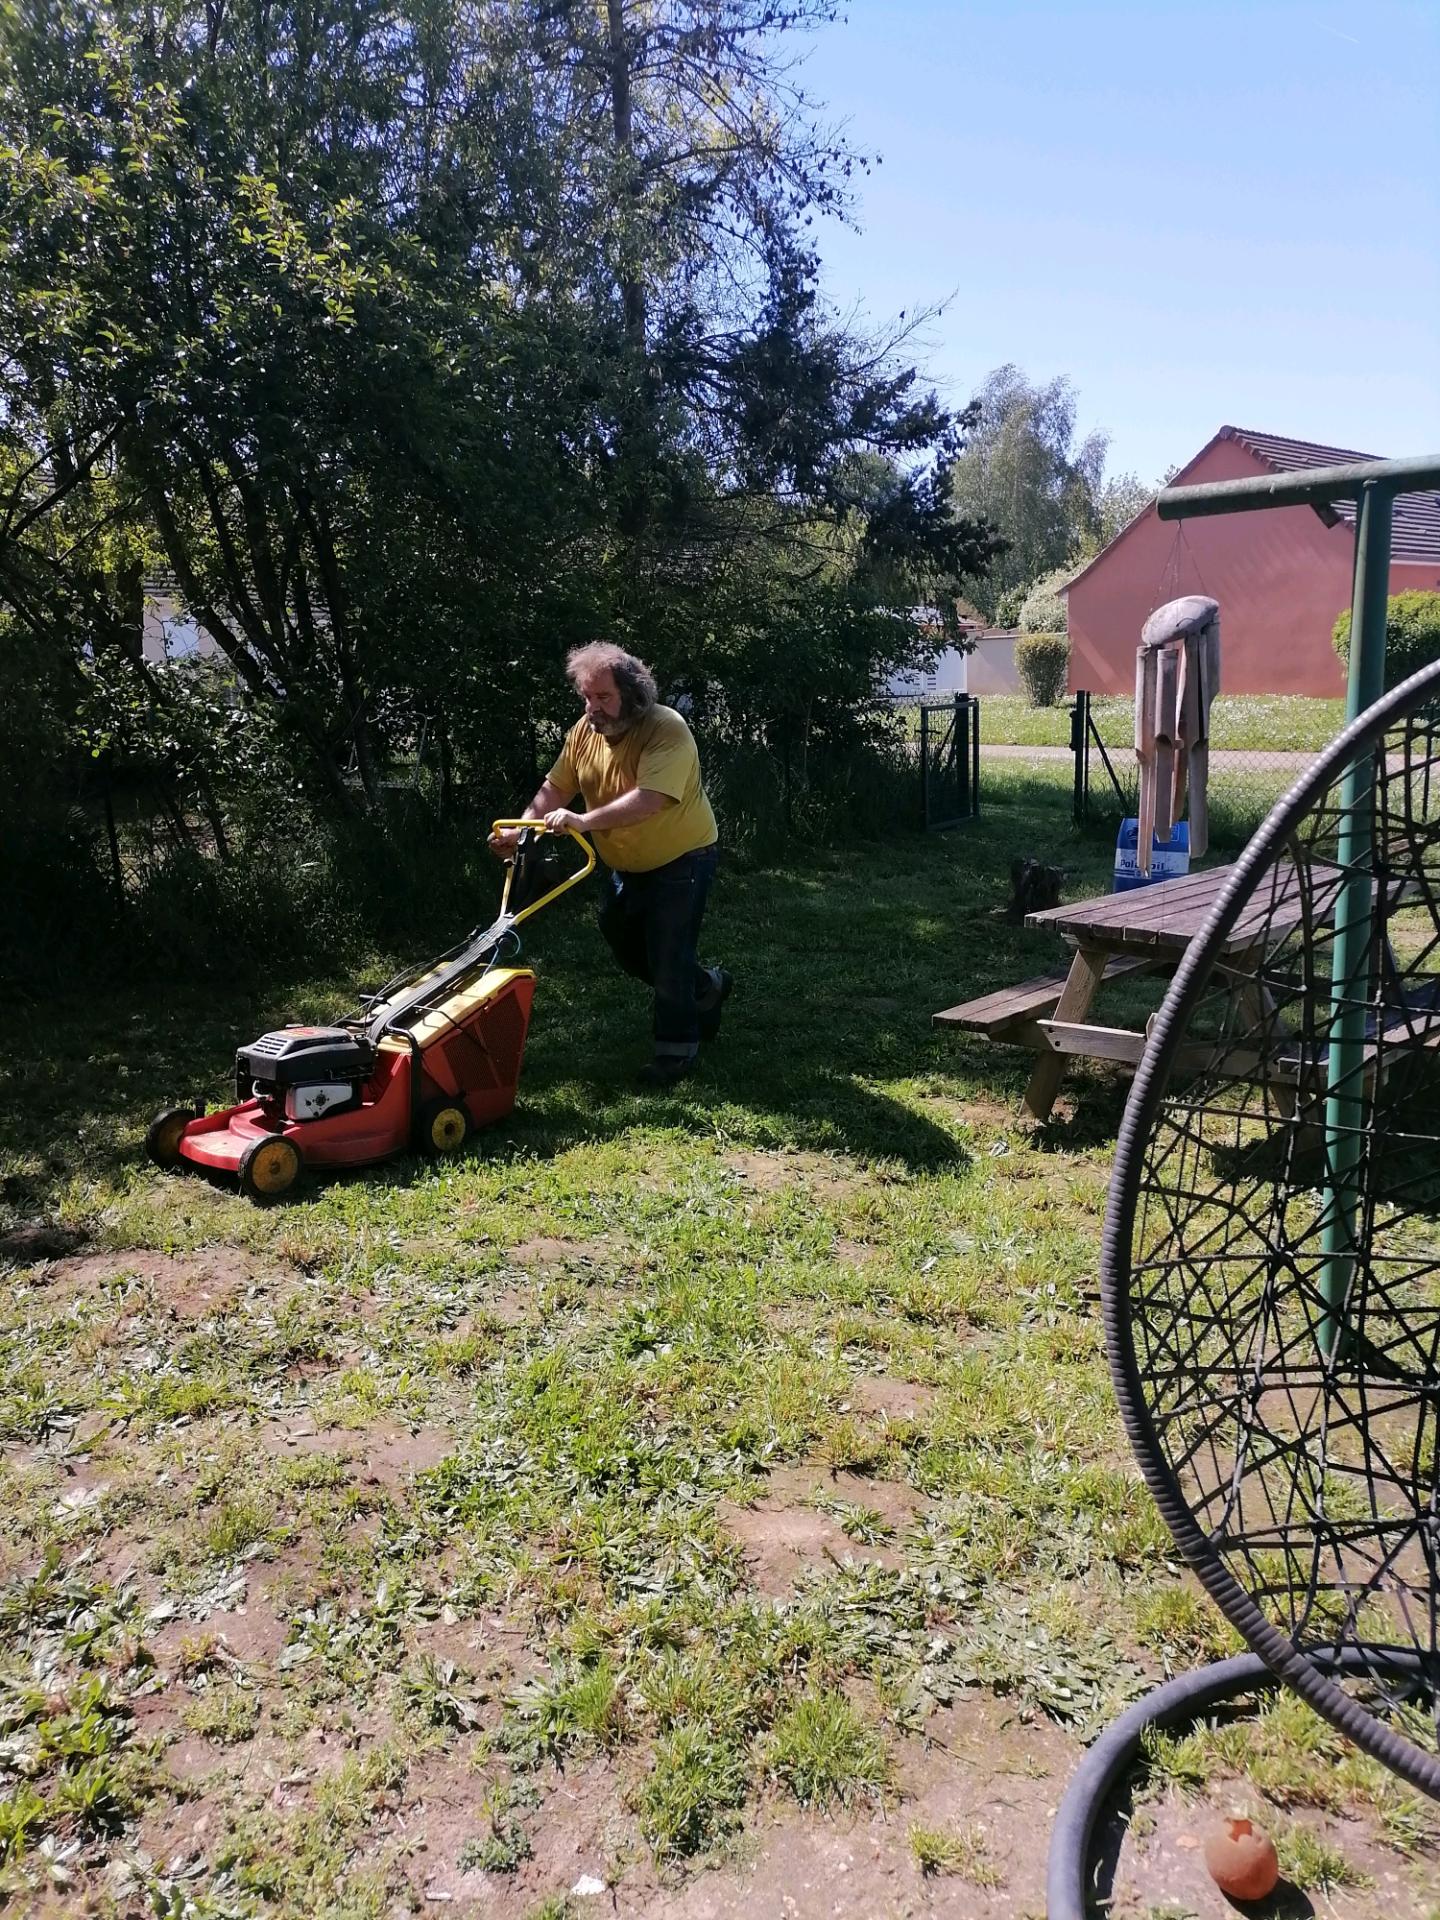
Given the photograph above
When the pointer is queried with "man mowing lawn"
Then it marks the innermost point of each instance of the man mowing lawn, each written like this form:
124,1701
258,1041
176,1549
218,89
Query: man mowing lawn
637,768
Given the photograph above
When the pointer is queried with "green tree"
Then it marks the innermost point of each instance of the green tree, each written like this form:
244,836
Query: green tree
417,342
1121,497
1022,472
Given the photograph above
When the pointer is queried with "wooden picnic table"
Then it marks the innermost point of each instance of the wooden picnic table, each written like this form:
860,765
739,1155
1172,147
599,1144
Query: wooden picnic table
1147,930
1144,930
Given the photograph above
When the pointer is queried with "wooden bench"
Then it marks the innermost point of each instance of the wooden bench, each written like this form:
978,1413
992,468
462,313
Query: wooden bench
998,1014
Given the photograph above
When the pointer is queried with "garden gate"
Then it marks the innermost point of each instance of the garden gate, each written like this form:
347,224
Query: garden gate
950,762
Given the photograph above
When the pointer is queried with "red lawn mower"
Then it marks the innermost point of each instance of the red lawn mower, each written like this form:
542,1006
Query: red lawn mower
434,1053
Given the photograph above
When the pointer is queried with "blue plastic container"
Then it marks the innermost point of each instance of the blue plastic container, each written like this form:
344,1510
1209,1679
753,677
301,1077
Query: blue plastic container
1168,858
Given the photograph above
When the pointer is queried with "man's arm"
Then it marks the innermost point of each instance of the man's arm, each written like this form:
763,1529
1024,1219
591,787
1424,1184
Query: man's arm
546,801
631,808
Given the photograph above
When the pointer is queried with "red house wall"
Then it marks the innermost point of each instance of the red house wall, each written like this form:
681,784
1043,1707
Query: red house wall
1281,577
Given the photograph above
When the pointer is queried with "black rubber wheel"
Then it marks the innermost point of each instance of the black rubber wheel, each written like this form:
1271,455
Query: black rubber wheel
269,1169
162,1136
442,1128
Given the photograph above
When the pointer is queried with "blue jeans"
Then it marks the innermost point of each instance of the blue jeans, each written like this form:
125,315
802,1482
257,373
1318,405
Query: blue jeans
652,924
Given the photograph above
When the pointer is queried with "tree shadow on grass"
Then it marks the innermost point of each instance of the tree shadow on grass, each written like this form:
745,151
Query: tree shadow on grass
840,959
91,1084
1097,1106
829,1113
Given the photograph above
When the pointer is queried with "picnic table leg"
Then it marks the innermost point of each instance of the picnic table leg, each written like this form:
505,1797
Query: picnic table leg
1081,984
1257,1006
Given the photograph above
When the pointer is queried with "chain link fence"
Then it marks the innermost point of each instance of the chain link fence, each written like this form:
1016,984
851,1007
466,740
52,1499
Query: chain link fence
1259,747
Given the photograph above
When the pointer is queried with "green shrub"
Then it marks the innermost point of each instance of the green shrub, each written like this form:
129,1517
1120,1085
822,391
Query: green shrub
1412,635
1007,607
1043,662
1043,610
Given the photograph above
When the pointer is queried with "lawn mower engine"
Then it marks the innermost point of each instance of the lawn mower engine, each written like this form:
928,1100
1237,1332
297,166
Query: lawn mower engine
433,1054
306,1071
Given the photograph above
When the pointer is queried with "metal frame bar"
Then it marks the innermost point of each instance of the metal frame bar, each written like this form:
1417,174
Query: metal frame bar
1374,485
1309,487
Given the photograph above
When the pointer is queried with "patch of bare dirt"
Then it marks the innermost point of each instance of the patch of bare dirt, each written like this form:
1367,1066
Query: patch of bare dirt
35,1241
157,1713
995,1116
393,1457
772,1172
255,1629
890,1399
191,1285
787,1531
509,1307
546,1251
380,1456
192,1760
856,1867
856,1253
280,1773
579,1826
983,1772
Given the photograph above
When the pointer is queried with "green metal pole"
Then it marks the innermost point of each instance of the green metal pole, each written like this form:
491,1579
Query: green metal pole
1309,487
1351,960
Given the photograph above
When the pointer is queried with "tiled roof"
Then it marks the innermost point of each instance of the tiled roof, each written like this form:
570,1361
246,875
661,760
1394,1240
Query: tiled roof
1416,525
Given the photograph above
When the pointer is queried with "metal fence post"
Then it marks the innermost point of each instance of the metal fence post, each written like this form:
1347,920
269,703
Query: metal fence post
974,757
960,749
924,766
1080,752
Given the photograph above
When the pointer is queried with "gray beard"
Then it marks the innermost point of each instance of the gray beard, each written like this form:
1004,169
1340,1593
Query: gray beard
609,729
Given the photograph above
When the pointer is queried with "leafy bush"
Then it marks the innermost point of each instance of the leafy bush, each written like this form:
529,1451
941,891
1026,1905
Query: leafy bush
1043,662
1412,635
1043,609
1007,607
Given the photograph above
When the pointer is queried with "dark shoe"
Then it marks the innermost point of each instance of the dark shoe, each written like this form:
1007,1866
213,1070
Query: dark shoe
710,1016
664,1073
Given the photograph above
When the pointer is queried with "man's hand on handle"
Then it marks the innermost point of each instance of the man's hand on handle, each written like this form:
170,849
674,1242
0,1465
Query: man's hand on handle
631,808
545,806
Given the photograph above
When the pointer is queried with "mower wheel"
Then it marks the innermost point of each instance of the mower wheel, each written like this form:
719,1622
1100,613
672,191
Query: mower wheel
269,1168
442,1128
162,1136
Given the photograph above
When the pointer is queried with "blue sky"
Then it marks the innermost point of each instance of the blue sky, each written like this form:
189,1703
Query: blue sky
1186,209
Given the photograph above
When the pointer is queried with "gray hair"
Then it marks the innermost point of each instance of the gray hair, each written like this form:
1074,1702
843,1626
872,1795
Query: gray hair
636,683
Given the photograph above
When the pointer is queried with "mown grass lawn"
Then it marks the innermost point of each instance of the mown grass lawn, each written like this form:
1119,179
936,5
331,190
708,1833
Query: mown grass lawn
1249,723
714,1499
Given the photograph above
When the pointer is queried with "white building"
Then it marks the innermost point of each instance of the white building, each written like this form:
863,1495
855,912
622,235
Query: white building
990,668
167,632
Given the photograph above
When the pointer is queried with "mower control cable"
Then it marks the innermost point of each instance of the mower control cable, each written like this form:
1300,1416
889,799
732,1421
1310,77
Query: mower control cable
439,977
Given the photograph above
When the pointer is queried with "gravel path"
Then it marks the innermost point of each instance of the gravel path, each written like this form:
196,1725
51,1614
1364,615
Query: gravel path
1235,759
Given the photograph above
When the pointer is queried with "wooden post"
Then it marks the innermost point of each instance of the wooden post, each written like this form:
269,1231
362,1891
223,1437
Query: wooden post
1081,985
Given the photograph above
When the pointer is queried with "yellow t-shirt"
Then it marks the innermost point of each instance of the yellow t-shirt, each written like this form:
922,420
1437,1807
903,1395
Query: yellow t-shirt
658,753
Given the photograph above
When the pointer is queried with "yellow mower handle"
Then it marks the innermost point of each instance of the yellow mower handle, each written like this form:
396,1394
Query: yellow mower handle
570,880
